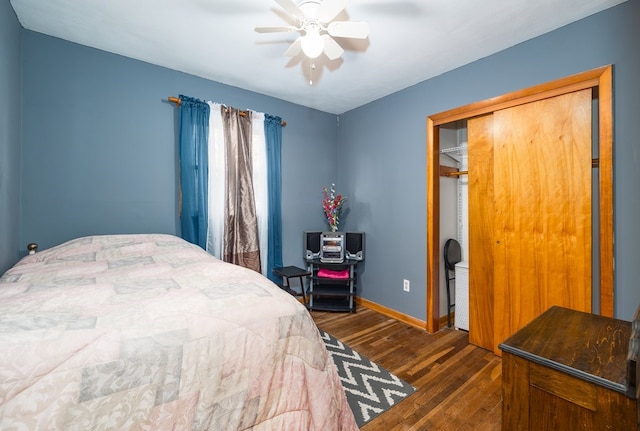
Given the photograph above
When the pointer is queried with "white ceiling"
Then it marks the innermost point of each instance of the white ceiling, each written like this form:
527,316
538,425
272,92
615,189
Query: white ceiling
409,41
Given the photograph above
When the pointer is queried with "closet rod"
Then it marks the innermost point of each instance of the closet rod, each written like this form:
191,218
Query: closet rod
455,174
448,172
177,102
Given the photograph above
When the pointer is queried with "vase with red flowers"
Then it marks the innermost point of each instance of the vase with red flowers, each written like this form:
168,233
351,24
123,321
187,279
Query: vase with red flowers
332,204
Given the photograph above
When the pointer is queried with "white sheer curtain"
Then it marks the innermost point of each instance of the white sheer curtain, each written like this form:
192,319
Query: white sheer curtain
260,185
215,232
216,147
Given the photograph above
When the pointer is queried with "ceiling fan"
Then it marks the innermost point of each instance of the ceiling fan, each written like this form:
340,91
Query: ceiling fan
315,20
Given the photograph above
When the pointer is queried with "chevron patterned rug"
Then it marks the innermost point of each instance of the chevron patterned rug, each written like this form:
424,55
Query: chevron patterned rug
370,389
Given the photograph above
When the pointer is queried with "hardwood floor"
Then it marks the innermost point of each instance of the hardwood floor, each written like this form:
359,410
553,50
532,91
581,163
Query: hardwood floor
458,384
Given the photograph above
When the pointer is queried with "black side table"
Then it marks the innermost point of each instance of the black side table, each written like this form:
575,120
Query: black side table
288,272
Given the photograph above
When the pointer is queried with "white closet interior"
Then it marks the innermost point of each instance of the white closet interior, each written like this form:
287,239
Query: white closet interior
454,218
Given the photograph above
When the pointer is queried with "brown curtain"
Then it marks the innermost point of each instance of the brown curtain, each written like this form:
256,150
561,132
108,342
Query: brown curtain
241,244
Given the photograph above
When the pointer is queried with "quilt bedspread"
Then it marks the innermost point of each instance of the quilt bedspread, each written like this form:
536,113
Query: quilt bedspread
149,332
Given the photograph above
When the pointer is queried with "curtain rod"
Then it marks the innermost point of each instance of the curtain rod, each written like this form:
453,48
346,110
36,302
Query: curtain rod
177,102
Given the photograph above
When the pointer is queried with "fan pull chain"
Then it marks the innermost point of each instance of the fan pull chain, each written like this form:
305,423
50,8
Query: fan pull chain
312,67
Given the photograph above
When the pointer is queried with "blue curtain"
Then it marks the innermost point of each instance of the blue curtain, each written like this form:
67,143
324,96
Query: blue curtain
273,137
194,169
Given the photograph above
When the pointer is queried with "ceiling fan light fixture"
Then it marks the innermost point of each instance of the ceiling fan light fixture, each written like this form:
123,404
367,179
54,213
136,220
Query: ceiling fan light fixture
312,44
316,22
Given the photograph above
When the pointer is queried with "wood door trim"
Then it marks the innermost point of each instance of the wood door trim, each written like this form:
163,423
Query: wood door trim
433,227
580,81
605,164
601,78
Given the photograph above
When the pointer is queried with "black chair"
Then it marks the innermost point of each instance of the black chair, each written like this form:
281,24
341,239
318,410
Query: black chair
452,255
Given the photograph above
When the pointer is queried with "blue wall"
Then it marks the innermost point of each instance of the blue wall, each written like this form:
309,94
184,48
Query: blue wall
10,83
100,149
382,148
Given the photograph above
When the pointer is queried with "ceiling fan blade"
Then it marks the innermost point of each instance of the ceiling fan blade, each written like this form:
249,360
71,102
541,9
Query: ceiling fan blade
275,29
328,10
352,29
291,8
331,48
295,48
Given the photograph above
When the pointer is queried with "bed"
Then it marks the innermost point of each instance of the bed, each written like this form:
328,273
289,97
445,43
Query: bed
149,332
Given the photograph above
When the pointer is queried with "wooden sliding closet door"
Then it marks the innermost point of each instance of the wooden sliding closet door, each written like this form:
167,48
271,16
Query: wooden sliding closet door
540,212
481,230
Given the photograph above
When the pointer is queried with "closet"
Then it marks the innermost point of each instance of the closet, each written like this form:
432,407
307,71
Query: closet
454,218
530,194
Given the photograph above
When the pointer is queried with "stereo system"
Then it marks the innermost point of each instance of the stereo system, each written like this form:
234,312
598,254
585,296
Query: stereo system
333,247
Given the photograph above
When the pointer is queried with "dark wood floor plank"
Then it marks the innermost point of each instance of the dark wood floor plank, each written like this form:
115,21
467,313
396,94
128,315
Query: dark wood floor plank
458,385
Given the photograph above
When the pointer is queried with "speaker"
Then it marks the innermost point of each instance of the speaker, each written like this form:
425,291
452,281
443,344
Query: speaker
311,246
355,246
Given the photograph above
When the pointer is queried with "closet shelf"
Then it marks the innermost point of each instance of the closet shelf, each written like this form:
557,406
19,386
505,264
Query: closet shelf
455,152
460,149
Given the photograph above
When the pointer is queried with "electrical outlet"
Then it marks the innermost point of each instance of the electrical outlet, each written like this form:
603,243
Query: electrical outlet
406,285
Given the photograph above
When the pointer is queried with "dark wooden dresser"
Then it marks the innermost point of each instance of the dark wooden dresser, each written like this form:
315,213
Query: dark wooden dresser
568,370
